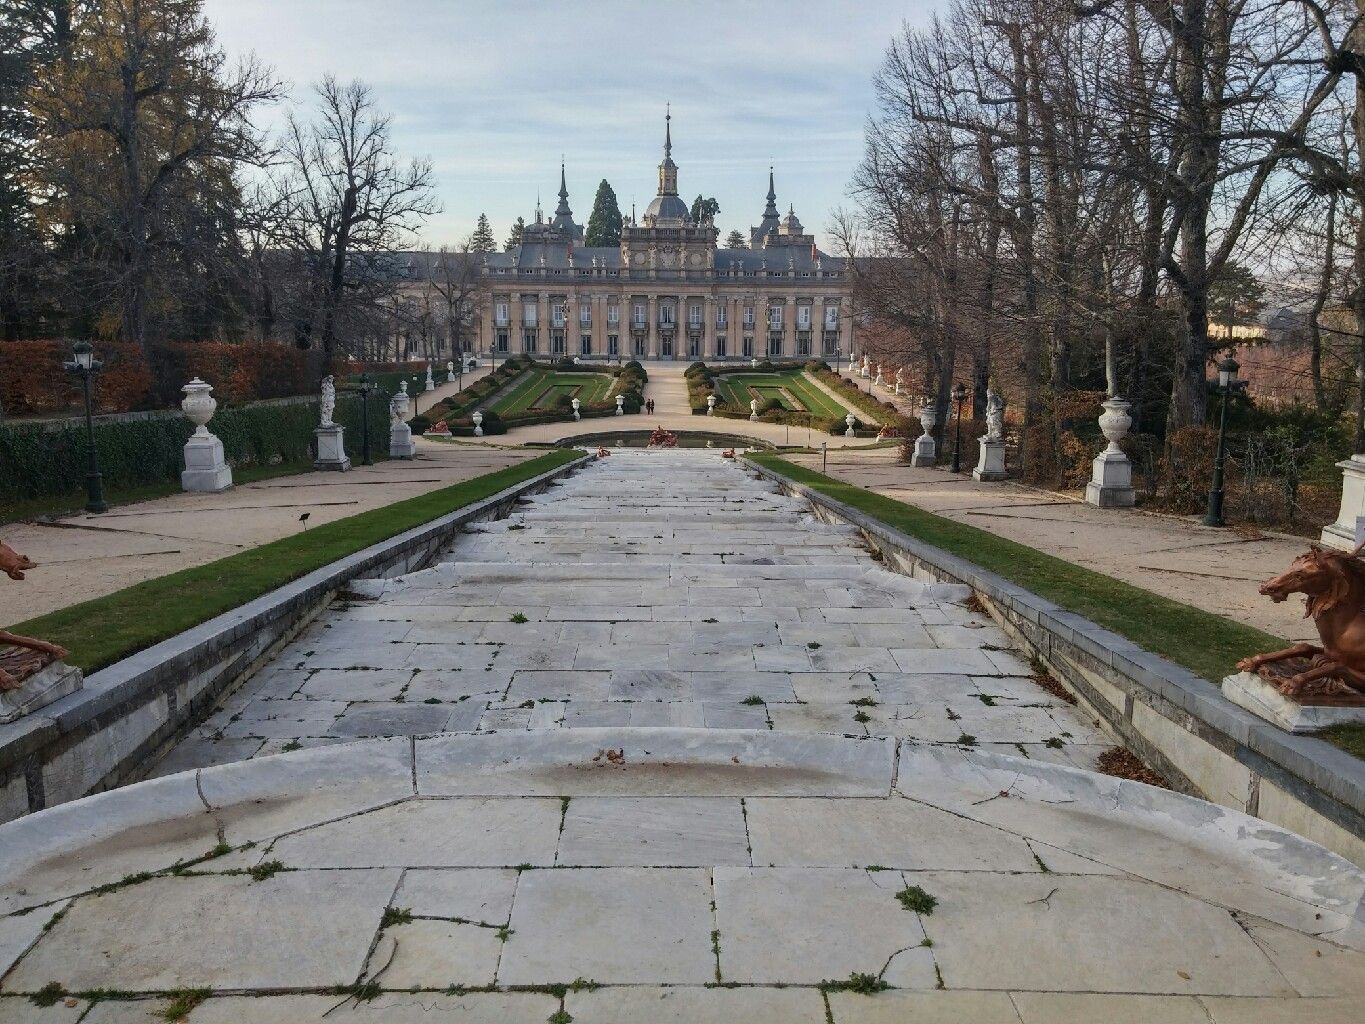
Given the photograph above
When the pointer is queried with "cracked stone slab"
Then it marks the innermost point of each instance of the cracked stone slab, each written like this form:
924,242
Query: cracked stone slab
653,762
389,1008
927,1008
1088,933
483,895
611,925
436,955
431,833
807,925
675,832
294,929
696,1006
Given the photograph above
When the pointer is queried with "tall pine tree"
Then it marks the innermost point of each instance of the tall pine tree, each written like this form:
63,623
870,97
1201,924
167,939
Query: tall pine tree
735,240
482,239
604,224
514,239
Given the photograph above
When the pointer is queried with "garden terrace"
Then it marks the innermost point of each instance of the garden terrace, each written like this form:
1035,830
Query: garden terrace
793,390
543,390
662,746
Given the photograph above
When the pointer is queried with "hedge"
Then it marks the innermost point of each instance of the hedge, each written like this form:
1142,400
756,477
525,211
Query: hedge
37,462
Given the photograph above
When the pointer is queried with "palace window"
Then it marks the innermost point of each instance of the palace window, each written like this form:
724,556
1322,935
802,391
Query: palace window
775,317
528,314
502,341
720,345
584,313
557,314
748,316
638,348
803,318
803,343
748,349
831,318
774,344
693,346
613,344
667,316
831,343
666,346
694,315
557,342
528,340
613,314
720,316
501,314
637,314
585,344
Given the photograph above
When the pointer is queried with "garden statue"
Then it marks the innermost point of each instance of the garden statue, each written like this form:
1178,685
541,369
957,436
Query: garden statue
1334,585
753,408
26,680
431,381
401,445
206,467
995,415
328,404
13,564
450,371
661,438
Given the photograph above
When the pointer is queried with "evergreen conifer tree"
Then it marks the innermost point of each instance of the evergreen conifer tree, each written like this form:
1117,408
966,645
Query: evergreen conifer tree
514,239
482,239
604,223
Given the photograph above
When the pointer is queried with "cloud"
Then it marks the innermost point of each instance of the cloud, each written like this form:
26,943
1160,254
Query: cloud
494,93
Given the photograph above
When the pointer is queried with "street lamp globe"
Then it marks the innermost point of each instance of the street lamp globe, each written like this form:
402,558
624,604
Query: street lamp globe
959,393
1227,372
83,355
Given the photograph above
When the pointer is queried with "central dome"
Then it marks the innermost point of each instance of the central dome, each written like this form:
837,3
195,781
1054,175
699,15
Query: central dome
668,208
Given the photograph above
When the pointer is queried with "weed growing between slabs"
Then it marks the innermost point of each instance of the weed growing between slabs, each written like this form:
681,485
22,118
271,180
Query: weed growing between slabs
102,631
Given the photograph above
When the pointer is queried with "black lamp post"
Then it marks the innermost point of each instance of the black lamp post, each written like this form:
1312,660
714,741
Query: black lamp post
1227,383
365,386
83,364
959,396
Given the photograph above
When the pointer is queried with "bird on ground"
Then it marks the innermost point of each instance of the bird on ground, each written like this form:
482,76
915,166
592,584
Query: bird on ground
304,519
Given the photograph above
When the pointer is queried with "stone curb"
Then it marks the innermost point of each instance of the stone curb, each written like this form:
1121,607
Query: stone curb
1127,685
93,841
97,736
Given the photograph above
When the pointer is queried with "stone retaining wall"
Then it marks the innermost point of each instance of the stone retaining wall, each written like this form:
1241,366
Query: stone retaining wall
1175,720
100,736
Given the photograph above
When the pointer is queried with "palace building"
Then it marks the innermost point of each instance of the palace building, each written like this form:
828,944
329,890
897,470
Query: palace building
667,292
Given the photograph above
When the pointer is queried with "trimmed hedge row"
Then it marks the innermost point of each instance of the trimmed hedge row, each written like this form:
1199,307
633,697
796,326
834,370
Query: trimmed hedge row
37,463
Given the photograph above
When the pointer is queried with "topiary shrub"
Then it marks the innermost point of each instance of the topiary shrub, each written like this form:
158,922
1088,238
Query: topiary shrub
419,424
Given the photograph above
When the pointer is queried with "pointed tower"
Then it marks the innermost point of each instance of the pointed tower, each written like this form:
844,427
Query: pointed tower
667,208
768,226
563,222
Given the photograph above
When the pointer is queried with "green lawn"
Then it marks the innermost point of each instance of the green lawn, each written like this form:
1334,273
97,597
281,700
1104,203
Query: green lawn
733,389
389,380
539,388
1200,641
106,629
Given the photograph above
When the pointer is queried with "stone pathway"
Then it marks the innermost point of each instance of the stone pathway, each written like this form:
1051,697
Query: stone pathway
1175,556
662,746
84,556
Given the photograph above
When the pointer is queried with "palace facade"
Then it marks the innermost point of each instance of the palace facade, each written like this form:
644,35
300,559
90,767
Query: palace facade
667,292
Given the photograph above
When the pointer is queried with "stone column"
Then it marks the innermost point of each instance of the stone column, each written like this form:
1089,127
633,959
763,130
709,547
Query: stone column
542,324
652,325
789,328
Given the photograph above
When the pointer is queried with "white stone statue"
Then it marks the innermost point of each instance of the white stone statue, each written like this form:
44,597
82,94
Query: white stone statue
995,415
431,381
328,404
450,372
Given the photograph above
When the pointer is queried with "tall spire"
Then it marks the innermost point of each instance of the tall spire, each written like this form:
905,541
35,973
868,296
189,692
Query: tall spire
668,130
668,170
562,210
771,209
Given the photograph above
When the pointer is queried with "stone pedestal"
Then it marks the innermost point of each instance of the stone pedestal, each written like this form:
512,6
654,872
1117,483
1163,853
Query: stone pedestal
401,445
1342,533
50,683
1250,691
331,448
1111,481
925,451
206,467
991,464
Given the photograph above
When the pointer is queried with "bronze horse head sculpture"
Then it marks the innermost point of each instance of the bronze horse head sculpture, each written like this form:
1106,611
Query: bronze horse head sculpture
1333,583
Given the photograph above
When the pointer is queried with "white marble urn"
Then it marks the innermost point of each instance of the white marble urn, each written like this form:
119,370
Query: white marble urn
199,405
753,408
1115,421
478,423
450,371
620,405
849,420
928,417
710,405
753,363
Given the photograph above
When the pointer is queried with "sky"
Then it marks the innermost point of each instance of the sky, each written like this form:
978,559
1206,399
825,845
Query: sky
494,92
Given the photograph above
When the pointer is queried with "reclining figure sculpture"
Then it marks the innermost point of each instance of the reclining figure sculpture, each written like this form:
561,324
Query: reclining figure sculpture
26,655
1334,585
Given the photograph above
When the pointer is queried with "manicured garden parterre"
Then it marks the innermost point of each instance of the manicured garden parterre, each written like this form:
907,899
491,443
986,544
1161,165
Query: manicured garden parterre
544,388
792,389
